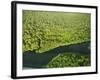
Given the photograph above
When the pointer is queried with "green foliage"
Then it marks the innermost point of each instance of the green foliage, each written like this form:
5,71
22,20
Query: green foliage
43,30
69,60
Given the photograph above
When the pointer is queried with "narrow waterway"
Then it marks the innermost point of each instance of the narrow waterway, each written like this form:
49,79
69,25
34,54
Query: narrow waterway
32,59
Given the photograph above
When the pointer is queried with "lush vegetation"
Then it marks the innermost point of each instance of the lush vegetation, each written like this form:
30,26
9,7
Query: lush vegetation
69,60
43,31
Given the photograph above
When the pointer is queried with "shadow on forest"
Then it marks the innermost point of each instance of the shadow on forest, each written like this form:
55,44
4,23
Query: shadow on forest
31,59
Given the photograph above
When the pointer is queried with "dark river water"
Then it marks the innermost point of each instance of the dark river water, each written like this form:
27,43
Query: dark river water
32,59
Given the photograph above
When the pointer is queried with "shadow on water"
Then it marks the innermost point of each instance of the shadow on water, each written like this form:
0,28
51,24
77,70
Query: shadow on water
31,59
